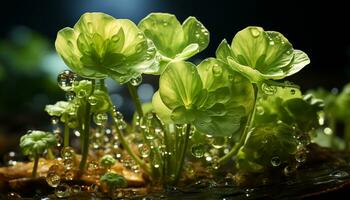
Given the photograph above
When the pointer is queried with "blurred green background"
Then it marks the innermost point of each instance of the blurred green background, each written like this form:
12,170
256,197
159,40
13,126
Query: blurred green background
29,64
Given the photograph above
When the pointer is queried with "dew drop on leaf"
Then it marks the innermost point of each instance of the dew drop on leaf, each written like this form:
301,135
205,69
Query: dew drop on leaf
271,43
292,91
100,119
66,79
260,110
198,150
217,70
255,32
275,161
268,89
92,100
136,81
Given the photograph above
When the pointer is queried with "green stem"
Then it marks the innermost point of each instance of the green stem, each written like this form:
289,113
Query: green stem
125,144
246,131
182,154
50,154
135,99
66,135
86,131
111,191
86,137
35,166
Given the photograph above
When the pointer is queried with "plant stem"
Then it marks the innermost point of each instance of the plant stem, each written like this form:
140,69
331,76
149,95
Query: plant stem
86,131
50,154
140,162
35,166
86,138
66,135
182,155
246,131
135,99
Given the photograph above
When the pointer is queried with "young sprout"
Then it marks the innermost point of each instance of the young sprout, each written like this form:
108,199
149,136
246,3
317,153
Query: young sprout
113,180
107,161
35,143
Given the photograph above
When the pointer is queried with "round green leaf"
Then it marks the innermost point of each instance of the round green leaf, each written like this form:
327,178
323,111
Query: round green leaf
173,40
261,55
100,45
36,142
180,85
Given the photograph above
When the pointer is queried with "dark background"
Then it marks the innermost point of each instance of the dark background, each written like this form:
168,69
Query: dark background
321,29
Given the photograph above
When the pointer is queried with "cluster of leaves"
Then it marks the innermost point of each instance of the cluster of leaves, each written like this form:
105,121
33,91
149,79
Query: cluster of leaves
283,124
335,112
232,95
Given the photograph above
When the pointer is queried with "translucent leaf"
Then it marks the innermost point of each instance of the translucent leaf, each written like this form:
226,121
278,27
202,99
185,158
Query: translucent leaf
180,85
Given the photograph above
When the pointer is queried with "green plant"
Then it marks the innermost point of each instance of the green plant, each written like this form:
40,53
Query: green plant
107,161
35,143
113,180
226,107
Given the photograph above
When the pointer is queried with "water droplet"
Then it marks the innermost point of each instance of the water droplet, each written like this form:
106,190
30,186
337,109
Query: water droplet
339,174
218,142
255,32
289,52
300,156
69,174
54,120
100,119
136,81
215,165
197,35
292,92
140,47
271,42
275,161
92,167
217,70
53,179
67,153
328,131
140,35
260,110
92,100
198,150
268,89
68,164
76,189
81,93
13,195
156,163
62,191
231,77
70,96
66,79
165,24
144,150
118,115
